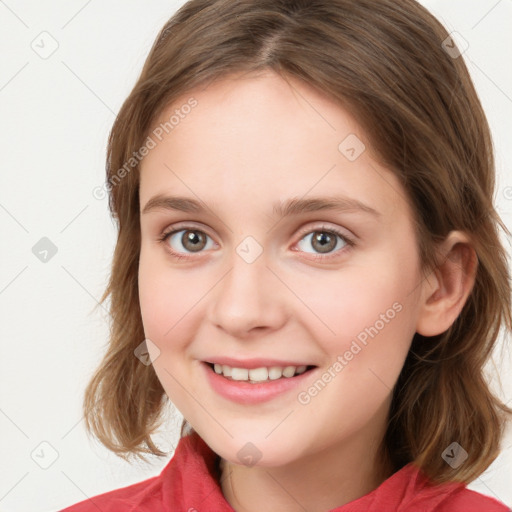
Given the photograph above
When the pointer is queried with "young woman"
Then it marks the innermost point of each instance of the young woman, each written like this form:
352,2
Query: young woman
308,264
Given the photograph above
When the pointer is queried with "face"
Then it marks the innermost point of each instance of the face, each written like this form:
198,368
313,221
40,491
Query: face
248,279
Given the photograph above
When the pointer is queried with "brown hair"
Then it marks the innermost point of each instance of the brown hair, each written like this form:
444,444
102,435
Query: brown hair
384,62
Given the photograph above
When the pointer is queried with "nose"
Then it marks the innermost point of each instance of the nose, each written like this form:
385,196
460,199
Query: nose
249,298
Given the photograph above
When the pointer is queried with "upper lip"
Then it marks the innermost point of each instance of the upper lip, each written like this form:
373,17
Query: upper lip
258,362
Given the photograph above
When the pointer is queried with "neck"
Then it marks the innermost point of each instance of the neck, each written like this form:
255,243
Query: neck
317,483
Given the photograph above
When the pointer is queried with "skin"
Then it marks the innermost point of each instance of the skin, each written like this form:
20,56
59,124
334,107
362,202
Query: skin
251,141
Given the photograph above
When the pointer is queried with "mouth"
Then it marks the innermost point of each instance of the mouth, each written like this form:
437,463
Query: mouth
257,385
259,375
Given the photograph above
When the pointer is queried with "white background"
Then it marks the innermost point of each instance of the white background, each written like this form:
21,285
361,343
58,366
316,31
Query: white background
55,117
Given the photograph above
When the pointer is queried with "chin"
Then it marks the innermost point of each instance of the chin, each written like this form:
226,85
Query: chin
255,451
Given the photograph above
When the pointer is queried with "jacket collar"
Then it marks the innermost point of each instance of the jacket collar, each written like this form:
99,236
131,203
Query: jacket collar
191,483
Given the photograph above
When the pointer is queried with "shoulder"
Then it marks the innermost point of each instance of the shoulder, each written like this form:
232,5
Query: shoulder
188,477
136,497
466,500
410,490
447,497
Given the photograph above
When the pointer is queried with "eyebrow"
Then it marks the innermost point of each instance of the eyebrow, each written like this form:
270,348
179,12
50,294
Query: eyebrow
293,206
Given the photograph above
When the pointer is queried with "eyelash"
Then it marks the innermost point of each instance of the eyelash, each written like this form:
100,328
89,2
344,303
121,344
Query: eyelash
322,229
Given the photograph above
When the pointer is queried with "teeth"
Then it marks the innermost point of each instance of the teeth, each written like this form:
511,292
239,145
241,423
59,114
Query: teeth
289,371
258,374
239,373
275,373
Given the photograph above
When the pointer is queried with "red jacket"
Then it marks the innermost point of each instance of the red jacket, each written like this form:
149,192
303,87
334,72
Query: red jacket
189,483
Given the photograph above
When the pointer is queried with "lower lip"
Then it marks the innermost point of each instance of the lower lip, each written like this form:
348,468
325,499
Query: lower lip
244,392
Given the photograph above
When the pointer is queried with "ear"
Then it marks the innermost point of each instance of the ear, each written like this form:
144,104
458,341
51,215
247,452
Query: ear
446,289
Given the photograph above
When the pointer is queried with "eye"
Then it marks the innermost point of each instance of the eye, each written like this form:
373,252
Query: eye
324,241
191,239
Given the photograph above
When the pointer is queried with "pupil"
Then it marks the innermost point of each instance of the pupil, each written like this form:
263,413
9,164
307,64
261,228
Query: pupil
325,240
192,238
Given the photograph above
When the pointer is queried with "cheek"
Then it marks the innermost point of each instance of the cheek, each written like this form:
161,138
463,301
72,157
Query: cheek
367,310
160,304
370,315
171,302
357,301
168,318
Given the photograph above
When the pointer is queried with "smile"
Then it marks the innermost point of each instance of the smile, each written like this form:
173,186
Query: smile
262,374
255,385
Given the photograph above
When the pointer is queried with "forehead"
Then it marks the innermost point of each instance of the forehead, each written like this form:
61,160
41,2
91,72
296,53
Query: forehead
262,139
